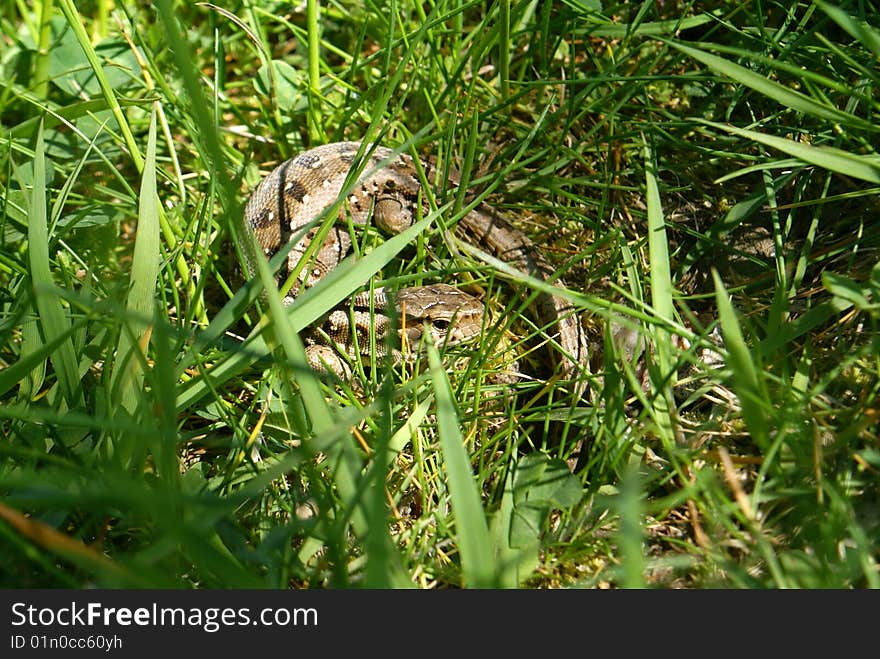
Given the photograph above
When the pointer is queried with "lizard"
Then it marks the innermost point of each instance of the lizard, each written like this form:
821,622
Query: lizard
439,313
299,190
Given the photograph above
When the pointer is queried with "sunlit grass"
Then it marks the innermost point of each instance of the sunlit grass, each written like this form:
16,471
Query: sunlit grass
704,179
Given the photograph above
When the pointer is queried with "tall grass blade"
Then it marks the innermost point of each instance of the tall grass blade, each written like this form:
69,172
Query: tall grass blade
779,93
506,556
31,341
53,321
661,298
747,385
655,28
283,332
472,532
313,21
131,350
631,536
504,48
865,168
32,359
41,61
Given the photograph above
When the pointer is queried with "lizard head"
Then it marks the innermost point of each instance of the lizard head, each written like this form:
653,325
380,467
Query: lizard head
448,315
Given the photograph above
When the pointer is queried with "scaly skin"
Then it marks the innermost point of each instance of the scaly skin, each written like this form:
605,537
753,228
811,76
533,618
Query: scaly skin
299,190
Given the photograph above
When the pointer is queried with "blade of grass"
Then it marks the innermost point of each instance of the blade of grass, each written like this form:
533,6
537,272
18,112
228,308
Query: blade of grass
630,536
866,168
41,61
60,115
53,321
747,382
507,556
127,378
661,299
207,130
33,356
323,421
812,77
477,555
31,342
282,331
779,93
655,28
71,549
504,48
313,23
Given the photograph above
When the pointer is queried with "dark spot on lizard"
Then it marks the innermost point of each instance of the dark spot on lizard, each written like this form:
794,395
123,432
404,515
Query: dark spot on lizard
259,219
307,160
295,189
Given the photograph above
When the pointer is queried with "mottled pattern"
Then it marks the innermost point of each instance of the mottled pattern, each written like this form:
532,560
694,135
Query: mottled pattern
288,203
296,191
308,160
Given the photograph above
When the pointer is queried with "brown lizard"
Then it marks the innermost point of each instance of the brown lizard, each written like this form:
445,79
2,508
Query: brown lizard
299,190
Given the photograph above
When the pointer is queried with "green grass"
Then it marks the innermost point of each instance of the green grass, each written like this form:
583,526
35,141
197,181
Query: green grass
703,176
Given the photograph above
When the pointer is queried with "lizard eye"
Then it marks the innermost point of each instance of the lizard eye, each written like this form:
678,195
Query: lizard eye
441,324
